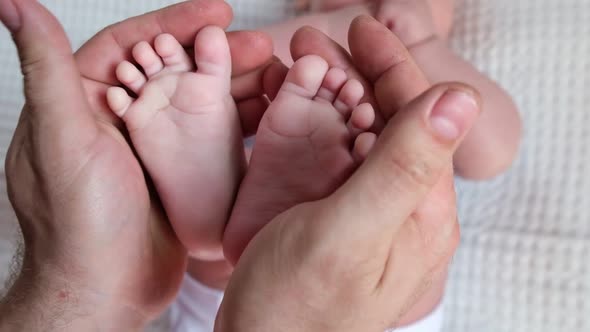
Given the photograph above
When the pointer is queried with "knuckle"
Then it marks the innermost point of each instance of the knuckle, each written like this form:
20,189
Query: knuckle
413,169
449,241
440,239
336,267
31,65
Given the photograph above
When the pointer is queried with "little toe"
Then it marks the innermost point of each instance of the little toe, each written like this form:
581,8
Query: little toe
333,83
172,53
130,76
212,53
147,58
349,97
118,100
306,76
362,118
363,145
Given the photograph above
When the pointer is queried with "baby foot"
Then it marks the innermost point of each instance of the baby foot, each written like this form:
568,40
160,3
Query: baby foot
412,21
311,138
185,128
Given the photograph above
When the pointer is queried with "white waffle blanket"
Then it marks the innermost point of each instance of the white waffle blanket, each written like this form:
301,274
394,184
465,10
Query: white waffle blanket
523,261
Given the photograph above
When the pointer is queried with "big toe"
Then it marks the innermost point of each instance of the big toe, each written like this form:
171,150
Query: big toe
172,53
212,52
289,113
306,76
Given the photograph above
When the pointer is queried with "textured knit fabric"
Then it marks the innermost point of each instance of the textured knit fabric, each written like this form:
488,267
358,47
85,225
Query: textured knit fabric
523,262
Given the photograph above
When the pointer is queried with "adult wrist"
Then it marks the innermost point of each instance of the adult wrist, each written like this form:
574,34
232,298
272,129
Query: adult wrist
44,297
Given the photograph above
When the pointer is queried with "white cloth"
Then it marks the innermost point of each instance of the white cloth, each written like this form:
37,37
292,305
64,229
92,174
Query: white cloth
196,307
523,262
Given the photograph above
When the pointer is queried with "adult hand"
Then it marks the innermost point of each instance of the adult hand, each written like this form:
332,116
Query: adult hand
98,249
359,259
382,62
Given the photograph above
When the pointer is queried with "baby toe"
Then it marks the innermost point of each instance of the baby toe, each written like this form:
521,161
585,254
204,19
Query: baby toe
363,145
172,53
333,83
130,76
118,100
362,117
212,52
147,58
306,76
349,97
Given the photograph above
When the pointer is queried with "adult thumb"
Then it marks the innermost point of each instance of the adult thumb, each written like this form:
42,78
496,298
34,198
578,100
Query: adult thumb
408,160
53,86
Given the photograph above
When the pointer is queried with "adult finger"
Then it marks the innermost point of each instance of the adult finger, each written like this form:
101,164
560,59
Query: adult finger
383,59
53,88
412,154
251,112
253,90
250,50
265,80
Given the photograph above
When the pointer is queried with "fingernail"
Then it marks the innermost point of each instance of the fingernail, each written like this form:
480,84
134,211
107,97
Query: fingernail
454,114
9,15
